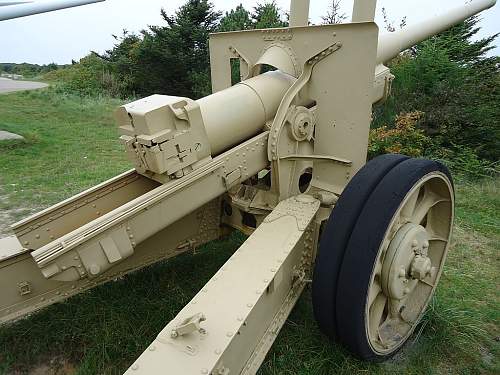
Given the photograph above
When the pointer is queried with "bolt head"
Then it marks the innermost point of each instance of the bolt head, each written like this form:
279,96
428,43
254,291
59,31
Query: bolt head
402,272
420,267
95,269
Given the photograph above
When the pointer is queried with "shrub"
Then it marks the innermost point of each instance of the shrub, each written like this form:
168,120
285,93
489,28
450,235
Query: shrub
404,138
92,76
450,79
408,138
463,162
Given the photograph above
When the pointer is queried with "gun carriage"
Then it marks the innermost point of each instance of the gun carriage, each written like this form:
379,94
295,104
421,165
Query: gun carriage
281,157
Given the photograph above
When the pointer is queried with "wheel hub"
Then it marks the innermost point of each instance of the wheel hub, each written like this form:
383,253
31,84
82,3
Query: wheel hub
406,261
421,267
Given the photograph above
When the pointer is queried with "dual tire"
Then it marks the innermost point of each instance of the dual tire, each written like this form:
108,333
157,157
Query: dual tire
390,199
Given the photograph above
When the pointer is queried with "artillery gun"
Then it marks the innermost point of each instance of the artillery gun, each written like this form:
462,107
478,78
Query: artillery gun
281,157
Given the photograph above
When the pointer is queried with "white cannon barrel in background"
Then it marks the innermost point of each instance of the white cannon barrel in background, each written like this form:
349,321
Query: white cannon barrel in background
391,44
21,10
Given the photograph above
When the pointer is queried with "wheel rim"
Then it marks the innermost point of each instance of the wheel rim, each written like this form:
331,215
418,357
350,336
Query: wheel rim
409,262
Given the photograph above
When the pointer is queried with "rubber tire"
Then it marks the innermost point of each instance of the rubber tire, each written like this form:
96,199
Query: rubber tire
362,250
336,235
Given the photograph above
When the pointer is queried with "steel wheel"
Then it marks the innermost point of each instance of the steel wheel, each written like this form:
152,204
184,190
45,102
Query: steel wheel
388,260
409,262
336,236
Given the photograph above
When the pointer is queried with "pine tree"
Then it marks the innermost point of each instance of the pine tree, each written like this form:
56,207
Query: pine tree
237,19
267,15
174,59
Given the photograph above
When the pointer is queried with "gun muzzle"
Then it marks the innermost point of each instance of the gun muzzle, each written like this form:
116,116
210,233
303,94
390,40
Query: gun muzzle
391,44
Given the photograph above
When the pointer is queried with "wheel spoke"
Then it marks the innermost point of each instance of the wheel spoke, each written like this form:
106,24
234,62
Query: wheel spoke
416,302
427,283
378,268
407,258
422,208
375,290
438,239
376,313
409,207
393,330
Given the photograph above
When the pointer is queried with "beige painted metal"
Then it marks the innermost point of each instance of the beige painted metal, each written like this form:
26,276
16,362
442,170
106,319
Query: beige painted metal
25,289
364,10
247,107
54,222
391,44
115,219
167,134
409,263
10,247
334,51
299,13
91,245
28,8
241,322
260,145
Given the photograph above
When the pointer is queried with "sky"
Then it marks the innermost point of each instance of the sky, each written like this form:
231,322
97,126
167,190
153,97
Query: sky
72,33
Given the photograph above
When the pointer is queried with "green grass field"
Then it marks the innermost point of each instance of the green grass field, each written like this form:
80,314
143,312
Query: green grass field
71,144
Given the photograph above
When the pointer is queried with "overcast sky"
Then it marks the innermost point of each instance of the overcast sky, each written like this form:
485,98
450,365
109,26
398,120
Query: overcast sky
70,34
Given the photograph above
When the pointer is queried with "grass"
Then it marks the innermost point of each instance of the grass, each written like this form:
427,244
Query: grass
71,145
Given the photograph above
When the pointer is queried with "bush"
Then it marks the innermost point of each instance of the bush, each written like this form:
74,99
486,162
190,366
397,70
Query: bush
463,162
408,138
451,80
404,138
92,76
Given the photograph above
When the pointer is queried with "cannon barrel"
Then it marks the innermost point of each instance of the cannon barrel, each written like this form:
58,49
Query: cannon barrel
30,8
391,44
237,113
233,115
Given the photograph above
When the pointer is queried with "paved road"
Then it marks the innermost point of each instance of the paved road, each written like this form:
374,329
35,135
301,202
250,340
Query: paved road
9,85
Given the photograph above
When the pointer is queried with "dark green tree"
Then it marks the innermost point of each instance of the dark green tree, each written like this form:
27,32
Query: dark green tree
459,44
267,15
450,78
171,59
237,19
180,50
124,63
